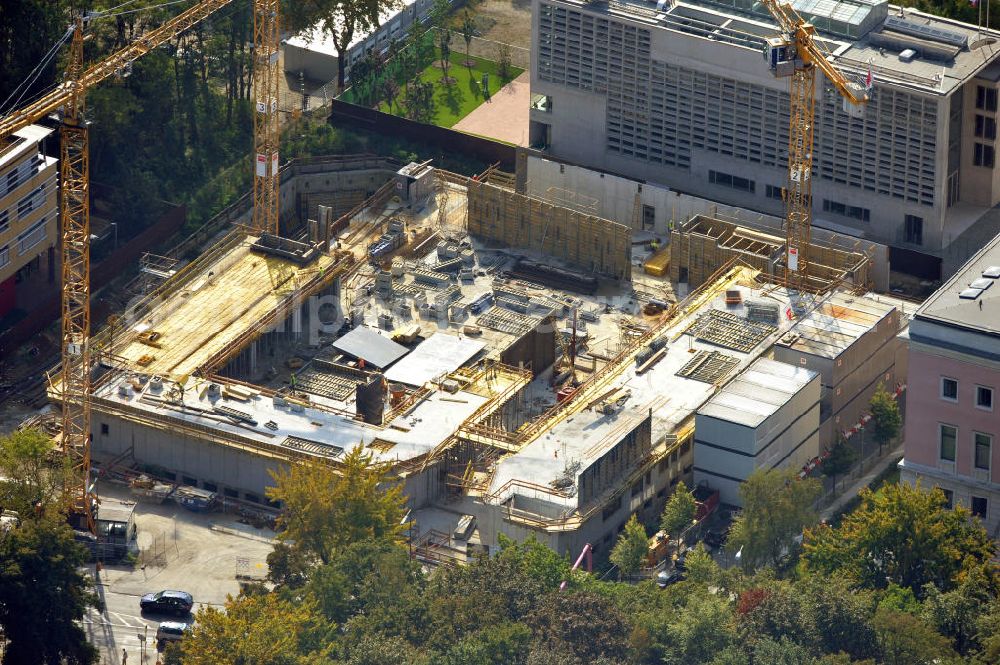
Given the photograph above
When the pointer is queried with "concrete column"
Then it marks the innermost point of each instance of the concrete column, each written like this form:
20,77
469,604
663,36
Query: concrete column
297,322
253,358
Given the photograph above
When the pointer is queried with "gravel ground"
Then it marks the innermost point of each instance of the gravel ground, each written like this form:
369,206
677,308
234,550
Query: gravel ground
505,21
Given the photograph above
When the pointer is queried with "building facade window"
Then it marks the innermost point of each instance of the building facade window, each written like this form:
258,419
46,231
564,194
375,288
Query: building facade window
986,127
30,202
4,255
986,98
948,437
949,389
4,221
949,498
983,155
731,181
979,506
844,210
34,235
984,398
914,228
774,192
983,444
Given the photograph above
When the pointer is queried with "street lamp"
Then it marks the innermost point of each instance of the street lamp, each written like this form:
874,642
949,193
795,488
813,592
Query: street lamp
114,226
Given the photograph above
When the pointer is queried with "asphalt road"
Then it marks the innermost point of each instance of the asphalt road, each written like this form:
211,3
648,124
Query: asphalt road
198,553
120,626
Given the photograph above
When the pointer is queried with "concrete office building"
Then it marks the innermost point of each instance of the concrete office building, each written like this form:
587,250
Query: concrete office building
952,424
678,93
29,210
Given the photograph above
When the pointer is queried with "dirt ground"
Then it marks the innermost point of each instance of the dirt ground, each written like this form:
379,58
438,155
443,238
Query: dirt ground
504,21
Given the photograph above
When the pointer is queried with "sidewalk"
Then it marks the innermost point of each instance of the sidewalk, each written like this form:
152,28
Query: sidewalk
892,457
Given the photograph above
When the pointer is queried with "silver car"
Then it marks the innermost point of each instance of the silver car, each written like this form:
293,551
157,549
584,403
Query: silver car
172,631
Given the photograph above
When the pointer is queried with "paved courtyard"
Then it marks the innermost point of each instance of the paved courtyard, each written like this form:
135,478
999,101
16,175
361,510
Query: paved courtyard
505,117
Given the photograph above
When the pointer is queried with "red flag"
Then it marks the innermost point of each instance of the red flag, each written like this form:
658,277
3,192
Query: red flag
870,79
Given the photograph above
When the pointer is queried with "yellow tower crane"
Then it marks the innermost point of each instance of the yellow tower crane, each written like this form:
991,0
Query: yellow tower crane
796,54
68,97
265,124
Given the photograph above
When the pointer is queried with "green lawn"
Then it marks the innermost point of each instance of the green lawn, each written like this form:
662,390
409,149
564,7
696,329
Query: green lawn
454,102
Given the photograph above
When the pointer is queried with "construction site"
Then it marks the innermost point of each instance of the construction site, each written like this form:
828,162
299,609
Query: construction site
519,392
503,353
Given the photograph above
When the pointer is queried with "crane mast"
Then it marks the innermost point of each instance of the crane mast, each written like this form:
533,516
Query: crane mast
797,55
265,123
74,209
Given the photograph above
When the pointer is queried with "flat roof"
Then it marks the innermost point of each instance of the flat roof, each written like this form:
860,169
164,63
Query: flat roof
980,313
318,428
758,393
855,32
439,354
21,142
587,435
370,345
218,300
114,510
835,324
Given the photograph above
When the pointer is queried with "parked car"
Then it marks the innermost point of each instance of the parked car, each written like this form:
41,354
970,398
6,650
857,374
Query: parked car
716,538
667,577
167,602
172,631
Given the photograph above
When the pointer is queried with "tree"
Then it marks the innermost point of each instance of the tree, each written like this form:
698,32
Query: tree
904,639
502,644
885,416
579,623
503,61
631,548
777,505
679,511
468,32
900,534
341,19
445,46
840,460
390,90
326,509
418,101
44,594
699,631
261,629
34,476
956,614
842,613
701,568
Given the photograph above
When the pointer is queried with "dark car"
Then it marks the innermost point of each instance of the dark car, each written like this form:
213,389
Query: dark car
716,538
167,602
666,578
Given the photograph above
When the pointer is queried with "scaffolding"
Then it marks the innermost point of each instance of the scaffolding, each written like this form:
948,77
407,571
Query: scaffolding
702,244
580,239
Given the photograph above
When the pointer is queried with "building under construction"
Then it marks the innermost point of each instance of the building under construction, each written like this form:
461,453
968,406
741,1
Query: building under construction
537,395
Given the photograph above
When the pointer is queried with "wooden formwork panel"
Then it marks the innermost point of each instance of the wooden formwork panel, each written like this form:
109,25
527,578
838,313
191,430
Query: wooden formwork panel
516,220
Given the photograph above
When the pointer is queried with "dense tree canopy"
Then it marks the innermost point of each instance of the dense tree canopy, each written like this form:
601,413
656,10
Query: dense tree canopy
901,534
43,591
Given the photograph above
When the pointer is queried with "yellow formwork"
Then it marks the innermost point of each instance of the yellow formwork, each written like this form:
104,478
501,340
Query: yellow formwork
191,325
